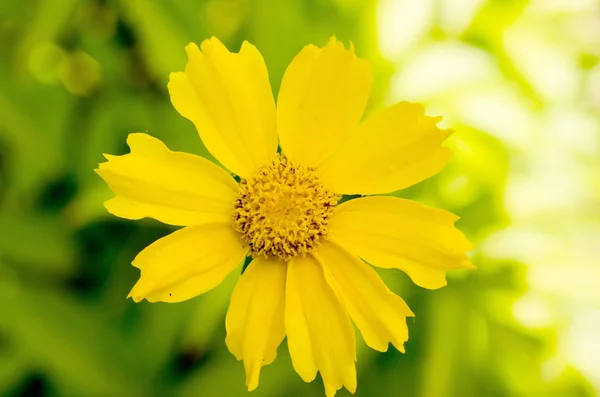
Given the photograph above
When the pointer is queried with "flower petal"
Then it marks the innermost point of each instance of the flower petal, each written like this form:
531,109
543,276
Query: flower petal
187,263
229,99
255,324
392,150
377,312
322,97
391,232
176,188
319,331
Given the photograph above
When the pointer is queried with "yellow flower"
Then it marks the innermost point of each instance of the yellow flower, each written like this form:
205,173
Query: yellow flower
306,280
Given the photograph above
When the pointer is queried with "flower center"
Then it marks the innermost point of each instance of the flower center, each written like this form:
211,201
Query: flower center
283,210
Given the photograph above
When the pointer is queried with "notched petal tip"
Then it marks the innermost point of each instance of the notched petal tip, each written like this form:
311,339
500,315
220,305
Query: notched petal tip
351,388
104,166
192,49
252,381
134,294
470,266
251,387
417,107
144,142
334,43
212,44
106,204
246,46
104,170
330,390
135,298
447,132
175,78
430,284
469,246
130,295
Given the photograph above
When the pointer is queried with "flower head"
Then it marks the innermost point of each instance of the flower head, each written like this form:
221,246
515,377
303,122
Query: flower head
283,210
309,278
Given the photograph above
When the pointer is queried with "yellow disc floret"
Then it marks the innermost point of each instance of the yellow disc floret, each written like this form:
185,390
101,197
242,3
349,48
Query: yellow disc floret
283,210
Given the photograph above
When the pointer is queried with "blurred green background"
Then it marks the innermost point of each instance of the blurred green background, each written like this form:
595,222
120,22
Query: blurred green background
518,80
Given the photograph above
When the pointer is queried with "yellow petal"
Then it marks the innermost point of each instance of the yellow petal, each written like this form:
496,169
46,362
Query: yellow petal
320,335
187,263
229,99
391,232
255,324
379,314
175,188
322,97
392,150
